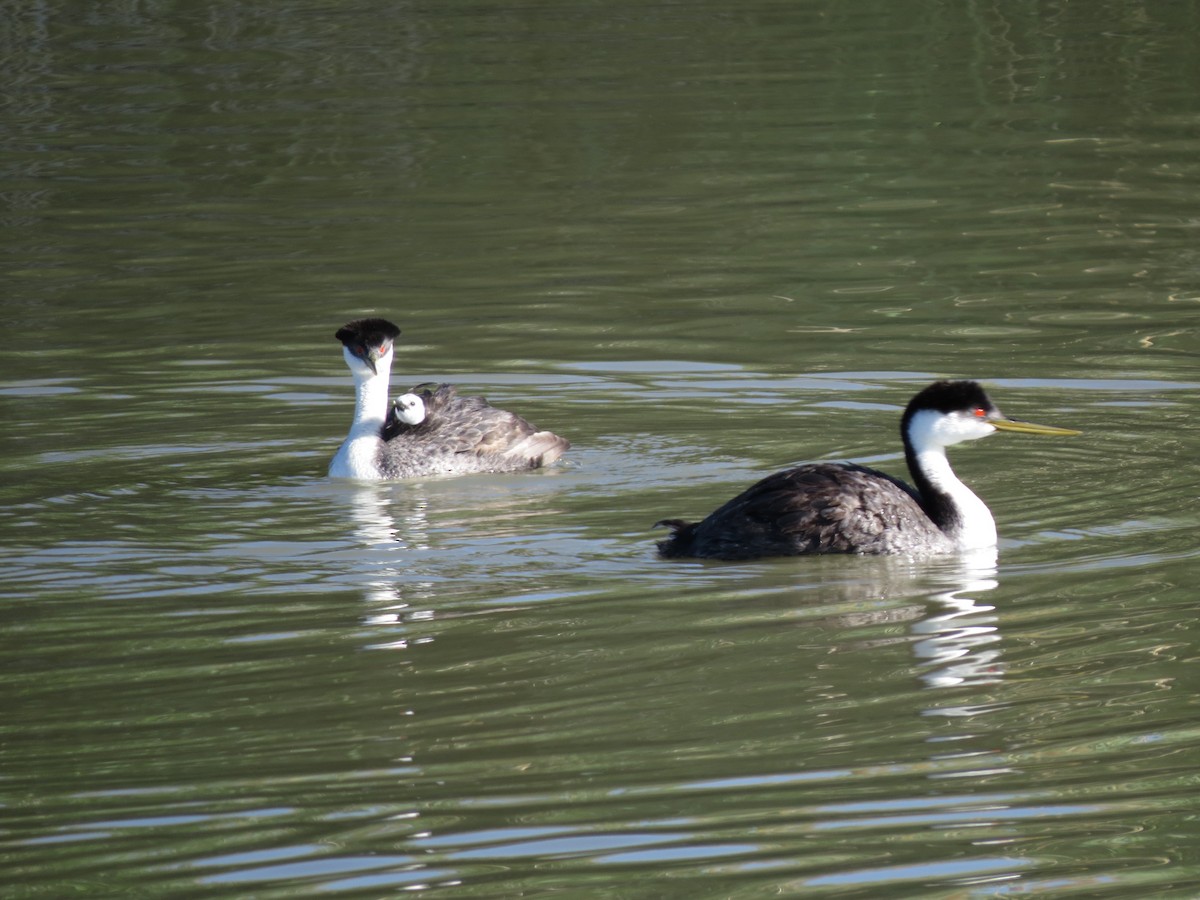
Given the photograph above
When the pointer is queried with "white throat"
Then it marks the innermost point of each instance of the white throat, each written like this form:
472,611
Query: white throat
930,433
358,457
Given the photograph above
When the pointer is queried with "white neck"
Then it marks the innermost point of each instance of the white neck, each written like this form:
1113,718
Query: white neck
358,456
976,527
929,434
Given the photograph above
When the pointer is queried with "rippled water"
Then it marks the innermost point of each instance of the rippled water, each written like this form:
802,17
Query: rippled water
703,244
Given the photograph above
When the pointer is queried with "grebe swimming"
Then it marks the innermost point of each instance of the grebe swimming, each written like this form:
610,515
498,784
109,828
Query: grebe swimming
846,508
446,435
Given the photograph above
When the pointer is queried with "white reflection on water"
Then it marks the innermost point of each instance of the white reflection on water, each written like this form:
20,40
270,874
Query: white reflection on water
376,526
383,540
962,643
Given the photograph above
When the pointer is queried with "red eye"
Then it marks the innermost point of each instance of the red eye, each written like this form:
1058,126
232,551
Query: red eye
980,412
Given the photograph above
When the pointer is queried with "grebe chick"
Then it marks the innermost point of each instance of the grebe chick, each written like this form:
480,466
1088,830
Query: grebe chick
846,508
409,409
453,436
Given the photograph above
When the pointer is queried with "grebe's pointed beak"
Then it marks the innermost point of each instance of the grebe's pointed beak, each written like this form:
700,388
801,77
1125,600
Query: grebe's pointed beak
1030,428
375,354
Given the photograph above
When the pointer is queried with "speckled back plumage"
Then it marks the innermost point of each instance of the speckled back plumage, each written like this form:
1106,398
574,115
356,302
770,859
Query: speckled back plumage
817,508
461,435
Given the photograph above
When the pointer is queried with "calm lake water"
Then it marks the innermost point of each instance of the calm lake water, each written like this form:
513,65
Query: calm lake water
703,242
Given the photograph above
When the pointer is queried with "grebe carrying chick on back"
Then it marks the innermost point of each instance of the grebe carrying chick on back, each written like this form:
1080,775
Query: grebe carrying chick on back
847,508
430,432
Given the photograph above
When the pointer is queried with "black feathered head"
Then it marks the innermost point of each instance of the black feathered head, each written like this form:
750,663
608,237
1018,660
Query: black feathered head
368,339
953,396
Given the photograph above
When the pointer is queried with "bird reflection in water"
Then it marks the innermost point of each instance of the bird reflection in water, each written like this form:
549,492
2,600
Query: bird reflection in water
389,588
960,642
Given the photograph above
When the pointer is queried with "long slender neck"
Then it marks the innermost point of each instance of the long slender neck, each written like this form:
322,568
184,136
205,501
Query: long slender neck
951,505
370,402
359,455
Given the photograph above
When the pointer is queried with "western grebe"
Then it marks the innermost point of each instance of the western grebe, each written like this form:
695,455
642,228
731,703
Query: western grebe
846,508
409,409
450,435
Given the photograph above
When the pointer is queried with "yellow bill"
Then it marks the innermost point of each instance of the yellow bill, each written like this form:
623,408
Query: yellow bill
1030,428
